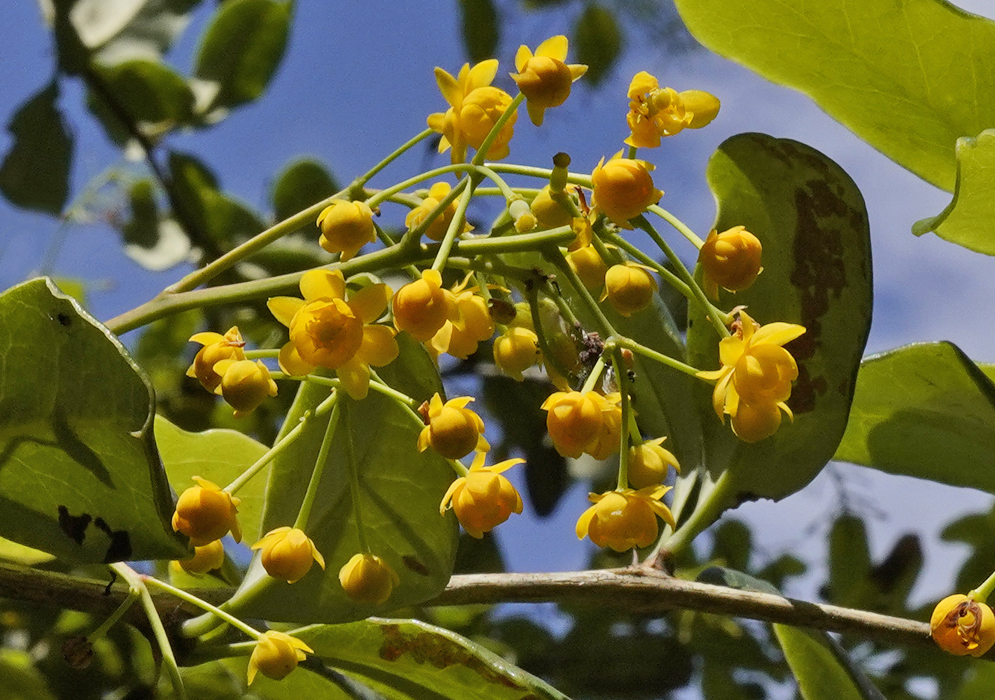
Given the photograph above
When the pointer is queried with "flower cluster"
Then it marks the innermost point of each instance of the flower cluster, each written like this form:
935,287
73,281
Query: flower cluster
584,422
222,368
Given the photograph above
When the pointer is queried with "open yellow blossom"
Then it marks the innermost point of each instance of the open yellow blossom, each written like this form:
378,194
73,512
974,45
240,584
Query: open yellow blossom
452,429
244,384
576,421
327,330
483,499
346,227
609,437
754,381
216,348
366,578
287,553
730,260
623,188
655,112
276,654
473,326
543,77
205,513
422,307
649,463
436,230
625,519
963,626
474,108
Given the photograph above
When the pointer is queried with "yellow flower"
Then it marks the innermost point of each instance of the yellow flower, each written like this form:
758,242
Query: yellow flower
483,499
623,188
422,307
755,378
244,384
655,112
515,351
629,288
575,420
649,463
587,263
474,108
963,626
452,430
366,578
346,227
276,654
730,260
436,230
475,325
548,212
217,347
624,519
205,513
544,78
288,553
205,558
328,331
609,437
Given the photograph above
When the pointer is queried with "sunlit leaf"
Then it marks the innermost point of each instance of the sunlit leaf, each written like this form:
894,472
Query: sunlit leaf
924,64
151,94
925,411
822,668
968,219
80,476
811,220
118,30
35,171
20,679
400,491
154,241
242,48
481,29
597,41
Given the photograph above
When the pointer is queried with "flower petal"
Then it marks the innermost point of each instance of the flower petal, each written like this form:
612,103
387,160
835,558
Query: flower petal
522,57
292,363
379,346
319,284
553,47
355,378
449,87
284,308
369,303
777,333
481,75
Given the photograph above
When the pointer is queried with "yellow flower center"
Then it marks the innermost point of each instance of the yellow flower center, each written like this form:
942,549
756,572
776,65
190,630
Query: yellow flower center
326,333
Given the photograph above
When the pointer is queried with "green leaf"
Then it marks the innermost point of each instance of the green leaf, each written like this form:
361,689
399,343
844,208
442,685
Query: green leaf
151,93
153,241
925,411
924,64
35,171
303,183
20,678
481,29
412,660
849,562
967,220
80,476
400,493
823,669
241,50
219,456
119,30
810,218
597,41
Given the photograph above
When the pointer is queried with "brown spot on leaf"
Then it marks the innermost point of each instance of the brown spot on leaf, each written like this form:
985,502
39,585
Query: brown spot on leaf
416,566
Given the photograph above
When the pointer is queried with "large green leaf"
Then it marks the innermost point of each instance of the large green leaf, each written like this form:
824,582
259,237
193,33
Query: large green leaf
241,49
823,669
400,492
908,77
811,220
80,476
412,660
598,41
20,678
925,411
968,219
481,28
219,456
35,171
301,184
151,93
118,30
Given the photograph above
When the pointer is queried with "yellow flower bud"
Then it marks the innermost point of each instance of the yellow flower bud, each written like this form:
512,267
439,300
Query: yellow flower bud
479,113
522,215
423,306
629,288
963,626
206,558
548,211
730,259
436,230
275,655
589,266
287,554
452,430
515,351
205,513
574,420
609,438
478,326
366,578
623,188
649,463
624,519
544,78
244,384
216,348
346,227
483,499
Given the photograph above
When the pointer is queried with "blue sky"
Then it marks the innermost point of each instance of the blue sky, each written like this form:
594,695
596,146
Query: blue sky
357,81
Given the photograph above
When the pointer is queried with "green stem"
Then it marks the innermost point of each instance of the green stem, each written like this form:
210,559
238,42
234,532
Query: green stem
279,447
133,595
679,225
685,276
408,145
354,490
623,342
547,352
319,465
456,225
383,195
704,514
622,375
556,257
594,376
982,592
631,153
506,191
203,605
516,243
158,631
531,171
485,146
